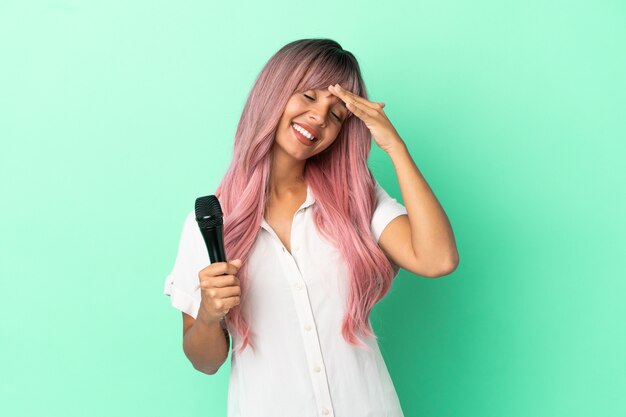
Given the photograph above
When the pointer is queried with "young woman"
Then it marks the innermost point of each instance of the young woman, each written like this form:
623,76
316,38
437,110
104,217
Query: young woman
316,242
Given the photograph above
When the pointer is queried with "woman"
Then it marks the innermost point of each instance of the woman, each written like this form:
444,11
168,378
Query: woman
320,242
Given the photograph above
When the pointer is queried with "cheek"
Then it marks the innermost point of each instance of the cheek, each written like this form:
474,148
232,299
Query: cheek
337,132
291,109
332,138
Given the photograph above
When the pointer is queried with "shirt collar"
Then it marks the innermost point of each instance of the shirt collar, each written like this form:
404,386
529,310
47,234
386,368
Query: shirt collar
310,200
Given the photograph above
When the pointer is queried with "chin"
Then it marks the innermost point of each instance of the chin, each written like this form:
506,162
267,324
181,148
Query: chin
301,156
293,151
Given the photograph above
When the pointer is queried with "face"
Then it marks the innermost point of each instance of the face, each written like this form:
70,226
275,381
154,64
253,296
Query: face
312,112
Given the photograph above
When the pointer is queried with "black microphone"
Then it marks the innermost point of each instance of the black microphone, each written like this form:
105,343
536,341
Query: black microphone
209,217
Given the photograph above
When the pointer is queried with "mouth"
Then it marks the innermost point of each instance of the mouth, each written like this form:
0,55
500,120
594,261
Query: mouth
303,135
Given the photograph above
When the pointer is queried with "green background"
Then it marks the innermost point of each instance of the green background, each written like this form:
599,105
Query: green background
116,115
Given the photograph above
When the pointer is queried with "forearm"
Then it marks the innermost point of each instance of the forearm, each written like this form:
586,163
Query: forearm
431,233
206,345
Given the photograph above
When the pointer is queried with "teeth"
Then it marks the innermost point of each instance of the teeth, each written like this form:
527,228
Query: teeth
304,132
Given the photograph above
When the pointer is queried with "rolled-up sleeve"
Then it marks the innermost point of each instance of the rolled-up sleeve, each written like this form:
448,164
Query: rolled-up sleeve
182,283
387,209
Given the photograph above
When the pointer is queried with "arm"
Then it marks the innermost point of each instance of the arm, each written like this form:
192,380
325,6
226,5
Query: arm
422,242
205,343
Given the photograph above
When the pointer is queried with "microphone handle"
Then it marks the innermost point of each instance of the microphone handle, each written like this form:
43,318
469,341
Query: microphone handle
214,239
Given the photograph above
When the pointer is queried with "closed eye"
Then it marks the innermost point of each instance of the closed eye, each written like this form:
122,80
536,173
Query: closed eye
311,98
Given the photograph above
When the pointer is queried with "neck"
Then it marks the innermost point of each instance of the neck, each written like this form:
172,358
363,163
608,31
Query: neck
286,174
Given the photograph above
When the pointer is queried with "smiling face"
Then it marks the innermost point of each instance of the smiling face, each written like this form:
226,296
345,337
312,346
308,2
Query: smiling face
318,112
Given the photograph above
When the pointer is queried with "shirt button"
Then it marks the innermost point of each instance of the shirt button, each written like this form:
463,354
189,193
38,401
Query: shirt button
325,411
317,369
299,285
297,248
283,248
307,327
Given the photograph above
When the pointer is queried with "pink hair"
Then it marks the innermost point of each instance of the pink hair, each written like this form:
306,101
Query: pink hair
339,178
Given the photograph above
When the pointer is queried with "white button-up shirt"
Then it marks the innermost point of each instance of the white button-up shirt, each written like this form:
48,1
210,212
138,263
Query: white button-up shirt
295,305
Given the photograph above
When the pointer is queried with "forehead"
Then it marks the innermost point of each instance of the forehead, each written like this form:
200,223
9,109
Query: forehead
325,94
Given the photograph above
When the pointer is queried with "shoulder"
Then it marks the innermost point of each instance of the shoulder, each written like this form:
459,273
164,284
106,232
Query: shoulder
386,209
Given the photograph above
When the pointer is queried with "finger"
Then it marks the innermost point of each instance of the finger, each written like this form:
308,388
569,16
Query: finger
219,282
231,302
361,111
216,268
221,293
237,262
348,96
230,292
360,101
220,268
225,304
207,280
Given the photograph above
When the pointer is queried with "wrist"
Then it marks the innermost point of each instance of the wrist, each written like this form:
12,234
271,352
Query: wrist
396,148
206,319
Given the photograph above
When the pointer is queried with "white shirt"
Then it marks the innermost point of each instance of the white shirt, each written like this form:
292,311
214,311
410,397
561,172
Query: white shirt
295,305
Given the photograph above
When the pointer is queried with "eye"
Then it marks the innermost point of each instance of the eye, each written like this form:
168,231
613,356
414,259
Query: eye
311,98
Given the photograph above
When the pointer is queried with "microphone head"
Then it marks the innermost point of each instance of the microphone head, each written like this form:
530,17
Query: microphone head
208,212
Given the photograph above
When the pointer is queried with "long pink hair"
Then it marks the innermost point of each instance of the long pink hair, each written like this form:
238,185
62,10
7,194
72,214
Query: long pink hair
339,178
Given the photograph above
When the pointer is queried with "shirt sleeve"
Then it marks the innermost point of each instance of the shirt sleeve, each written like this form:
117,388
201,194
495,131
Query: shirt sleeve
387,209
182,284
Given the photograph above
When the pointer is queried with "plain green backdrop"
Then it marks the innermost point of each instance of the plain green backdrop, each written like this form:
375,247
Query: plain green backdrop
116,115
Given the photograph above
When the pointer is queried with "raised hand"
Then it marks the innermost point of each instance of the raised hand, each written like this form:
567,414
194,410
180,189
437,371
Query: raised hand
372,114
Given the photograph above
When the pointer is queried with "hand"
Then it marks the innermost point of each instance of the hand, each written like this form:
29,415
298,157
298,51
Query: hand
372,114
220,290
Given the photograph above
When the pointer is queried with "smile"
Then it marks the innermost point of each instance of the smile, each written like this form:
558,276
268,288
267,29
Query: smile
305,132
303,136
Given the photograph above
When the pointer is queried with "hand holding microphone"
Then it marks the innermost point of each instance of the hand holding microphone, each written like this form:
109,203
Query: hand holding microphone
220,289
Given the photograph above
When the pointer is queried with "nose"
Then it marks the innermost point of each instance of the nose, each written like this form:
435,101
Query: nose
318,116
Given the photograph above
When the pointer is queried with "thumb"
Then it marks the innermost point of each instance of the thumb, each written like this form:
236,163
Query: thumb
237,262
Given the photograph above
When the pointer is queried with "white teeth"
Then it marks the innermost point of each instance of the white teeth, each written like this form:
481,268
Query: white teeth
304,132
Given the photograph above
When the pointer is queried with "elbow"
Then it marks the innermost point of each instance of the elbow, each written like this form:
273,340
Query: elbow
204,369
202,366
446,268
208,371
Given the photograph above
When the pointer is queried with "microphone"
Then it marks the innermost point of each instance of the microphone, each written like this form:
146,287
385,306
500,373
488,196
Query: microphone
210,221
